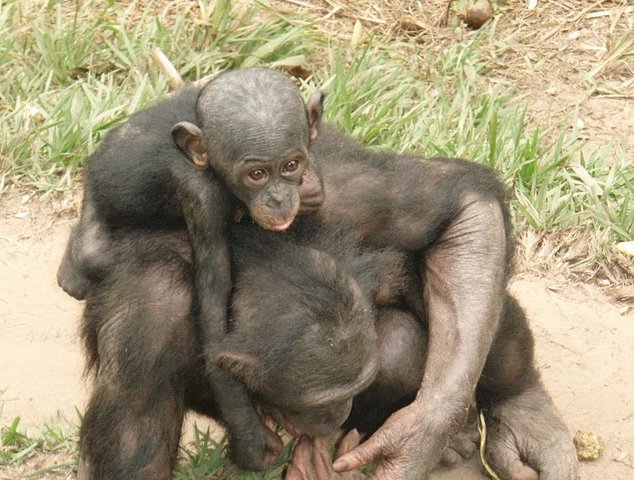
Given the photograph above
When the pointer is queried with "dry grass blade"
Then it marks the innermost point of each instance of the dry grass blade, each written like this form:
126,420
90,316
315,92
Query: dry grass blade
623,48
163,63
588,180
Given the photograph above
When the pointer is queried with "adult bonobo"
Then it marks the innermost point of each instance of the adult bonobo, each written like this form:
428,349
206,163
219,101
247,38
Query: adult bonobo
253,128
301,338
451,218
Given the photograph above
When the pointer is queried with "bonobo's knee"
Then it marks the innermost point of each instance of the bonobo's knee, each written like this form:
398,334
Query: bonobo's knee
402,345
509,367
88,253
86,259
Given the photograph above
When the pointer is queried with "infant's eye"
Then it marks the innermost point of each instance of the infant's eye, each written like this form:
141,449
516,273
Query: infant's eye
291,166
257,174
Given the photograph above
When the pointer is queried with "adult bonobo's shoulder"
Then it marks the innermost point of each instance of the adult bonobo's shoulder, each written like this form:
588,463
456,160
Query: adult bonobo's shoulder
130,177
146,131
336,153
394,199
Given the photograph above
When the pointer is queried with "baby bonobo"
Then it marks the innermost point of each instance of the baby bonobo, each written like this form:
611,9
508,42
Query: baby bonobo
254,130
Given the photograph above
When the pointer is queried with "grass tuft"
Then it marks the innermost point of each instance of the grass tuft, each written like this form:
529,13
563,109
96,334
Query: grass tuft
58,437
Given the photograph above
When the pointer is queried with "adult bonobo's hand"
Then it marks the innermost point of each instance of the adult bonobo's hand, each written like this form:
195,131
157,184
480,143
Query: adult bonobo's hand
404,447
311,459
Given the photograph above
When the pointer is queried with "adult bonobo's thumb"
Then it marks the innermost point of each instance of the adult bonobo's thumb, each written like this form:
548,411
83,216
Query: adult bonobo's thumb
348,442
364,454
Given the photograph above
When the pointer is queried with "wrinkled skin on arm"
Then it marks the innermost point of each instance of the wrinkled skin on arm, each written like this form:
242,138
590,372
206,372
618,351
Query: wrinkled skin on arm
455,360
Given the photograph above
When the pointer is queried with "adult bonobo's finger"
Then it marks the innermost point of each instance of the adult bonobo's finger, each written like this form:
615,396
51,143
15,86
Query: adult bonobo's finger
301,472
362,455
300,466
302,451
322,459
293,473
349,442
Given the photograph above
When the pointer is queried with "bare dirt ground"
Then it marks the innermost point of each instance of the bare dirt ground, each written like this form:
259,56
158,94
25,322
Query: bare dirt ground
565,57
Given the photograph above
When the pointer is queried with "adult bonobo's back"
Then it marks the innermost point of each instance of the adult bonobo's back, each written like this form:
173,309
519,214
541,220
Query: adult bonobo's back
154,171
129,180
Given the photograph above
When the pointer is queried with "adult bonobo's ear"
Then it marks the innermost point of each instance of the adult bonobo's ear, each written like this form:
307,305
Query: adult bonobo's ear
314,109
243,366
189,138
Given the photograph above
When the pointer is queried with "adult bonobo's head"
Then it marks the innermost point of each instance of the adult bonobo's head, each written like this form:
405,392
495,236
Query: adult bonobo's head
302,336
254,129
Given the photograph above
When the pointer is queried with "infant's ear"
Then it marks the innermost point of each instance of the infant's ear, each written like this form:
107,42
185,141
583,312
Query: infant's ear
314,109
189,138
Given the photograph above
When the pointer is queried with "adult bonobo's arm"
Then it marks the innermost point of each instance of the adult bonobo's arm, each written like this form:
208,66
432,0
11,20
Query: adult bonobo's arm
450,215
464,277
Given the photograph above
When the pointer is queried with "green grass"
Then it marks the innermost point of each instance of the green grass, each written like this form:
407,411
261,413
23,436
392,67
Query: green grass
205,458
73,70
68,76
58,437
450,110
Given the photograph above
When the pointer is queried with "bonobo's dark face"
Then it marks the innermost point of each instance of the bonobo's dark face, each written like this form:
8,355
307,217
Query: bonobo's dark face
254,129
